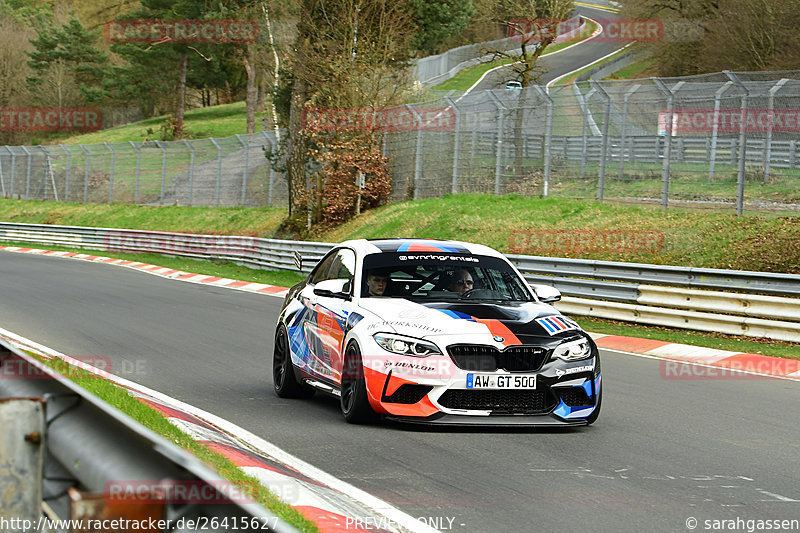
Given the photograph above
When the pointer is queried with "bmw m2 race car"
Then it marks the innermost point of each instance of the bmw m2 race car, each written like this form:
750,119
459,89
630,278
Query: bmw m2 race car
434,332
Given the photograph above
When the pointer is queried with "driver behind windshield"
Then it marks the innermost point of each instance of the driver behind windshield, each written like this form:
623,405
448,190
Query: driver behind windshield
461,282
376,283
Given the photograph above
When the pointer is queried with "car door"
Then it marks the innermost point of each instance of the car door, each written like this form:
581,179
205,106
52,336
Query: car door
325,316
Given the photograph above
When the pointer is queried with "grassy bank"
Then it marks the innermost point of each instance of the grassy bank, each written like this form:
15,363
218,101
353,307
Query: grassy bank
512,224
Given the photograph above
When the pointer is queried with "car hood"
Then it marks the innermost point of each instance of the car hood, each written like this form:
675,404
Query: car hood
514,322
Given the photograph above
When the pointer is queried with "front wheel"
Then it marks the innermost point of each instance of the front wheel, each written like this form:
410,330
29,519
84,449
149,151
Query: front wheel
283,377
354,401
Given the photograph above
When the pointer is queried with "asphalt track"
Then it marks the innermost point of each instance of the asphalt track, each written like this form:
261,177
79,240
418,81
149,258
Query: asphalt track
663,450
553,66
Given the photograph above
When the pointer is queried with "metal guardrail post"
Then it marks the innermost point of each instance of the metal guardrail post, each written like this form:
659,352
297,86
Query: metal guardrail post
498,163
88,159
456,144
28,173
669,94
547,147
768,141
742,141
111,175
219,167
66,172
604,151
715,127
246,147
624,132
418,152
22,454
163,170
138,170
191,170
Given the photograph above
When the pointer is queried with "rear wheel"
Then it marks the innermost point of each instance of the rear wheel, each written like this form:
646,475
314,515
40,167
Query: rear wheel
283,377
355,404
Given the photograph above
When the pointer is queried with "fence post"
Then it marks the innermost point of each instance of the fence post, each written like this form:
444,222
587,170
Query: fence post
669,94
715,128
273,145
88,158
498,163
742,141
624,132
768,142
191,171
246,146
547,147
66,173
604,151
219,167
418,152
163,169
582,103
138,170
2,179
13,166
111,178
48,173
456,144
28,178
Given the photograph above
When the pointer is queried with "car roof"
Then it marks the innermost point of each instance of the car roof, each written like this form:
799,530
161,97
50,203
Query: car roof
375,246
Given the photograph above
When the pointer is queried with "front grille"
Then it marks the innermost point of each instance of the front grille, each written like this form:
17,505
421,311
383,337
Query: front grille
500,401
574,396
483,358
408,394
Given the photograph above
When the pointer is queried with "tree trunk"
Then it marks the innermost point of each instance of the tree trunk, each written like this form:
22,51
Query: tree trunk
252,93
296,165
180,102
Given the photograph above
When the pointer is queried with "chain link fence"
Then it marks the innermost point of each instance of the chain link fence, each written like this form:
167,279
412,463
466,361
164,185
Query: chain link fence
230,171
728,140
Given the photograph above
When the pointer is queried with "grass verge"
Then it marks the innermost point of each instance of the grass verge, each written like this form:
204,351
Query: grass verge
121,399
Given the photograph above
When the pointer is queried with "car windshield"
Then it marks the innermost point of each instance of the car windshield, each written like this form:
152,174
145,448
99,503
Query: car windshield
441,276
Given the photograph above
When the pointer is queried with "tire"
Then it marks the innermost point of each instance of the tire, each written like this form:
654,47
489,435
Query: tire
354,401
283,375
592,417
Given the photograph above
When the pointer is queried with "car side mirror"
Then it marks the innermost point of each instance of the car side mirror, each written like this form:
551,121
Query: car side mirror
545,293
333,288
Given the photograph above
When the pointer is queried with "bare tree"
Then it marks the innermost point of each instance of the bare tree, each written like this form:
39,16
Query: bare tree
534,25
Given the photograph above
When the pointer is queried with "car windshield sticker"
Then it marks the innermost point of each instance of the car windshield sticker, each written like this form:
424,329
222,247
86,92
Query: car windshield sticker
556,324
420,246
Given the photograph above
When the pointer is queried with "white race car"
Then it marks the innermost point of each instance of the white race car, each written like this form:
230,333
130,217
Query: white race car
434,332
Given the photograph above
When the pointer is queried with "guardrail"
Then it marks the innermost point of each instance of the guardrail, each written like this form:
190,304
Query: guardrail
85,446
761,304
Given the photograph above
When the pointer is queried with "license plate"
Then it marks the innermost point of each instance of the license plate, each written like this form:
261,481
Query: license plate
492,381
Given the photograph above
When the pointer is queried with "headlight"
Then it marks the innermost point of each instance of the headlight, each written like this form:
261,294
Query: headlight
405,345
573,350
